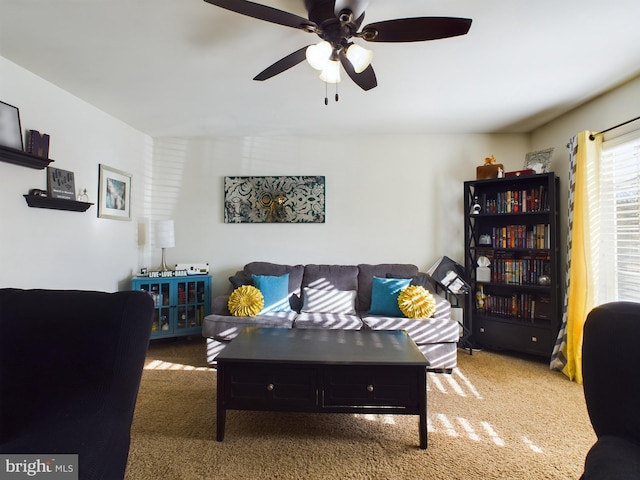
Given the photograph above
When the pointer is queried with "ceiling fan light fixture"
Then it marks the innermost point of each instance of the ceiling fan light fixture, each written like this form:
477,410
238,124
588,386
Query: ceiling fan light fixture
319,54
331,72
359,57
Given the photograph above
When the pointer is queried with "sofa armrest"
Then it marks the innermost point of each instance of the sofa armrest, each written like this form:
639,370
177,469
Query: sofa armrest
443,307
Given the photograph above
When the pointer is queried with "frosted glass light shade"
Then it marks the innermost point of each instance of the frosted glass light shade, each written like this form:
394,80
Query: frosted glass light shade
318,55
359,57
165,234
331,72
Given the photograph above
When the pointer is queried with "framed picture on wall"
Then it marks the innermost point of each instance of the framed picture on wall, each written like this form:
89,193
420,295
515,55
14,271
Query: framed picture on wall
114,192
10,129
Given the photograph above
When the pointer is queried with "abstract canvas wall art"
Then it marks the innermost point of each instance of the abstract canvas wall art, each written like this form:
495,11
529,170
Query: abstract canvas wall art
276,199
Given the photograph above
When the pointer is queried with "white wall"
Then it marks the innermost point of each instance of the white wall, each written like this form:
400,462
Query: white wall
388,199
41,248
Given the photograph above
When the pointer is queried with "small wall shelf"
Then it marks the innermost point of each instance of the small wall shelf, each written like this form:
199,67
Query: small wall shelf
56,203
24,159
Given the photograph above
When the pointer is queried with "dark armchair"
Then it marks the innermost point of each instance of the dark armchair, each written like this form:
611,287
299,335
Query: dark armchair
70,369
611,377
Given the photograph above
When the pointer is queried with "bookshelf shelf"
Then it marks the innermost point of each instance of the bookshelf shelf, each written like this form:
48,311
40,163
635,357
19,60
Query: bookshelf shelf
513,223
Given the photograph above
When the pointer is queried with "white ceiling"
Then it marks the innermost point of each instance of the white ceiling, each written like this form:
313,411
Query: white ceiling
185,67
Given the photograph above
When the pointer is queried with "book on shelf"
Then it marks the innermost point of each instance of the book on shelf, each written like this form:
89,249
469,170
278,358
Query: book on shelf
516,201
510,268
520,306
535,236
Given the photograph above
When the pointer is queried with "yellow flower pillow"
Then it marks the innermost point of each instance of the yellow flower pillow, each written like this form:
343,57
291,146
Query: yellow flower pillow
245,301
416,302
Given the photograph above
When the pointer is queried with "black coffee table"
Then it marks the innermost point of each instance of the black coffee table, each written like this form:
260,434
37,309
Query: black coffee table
327,371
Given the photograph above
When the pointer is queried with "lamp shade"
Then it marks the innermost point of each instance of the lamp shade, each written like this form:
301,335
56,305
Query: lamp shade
318,55
331,72
359,57
165,234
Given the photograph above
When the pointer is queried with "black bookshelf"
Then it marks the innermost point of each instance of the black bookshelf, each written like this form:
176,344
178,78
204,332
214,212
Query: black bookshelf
513,223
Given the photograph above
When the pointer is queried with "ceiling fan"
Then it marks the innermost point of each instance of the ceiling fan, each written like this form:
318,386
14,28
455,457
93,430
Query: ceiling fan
336,22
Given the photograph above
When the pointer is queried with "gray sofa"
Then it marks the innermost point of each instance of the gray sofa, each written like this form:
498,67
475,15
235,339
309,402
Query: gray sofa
436,337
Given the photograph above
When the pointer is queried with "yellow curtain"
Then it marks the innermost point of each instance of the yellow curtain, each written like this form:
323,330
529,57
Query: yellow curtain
583,236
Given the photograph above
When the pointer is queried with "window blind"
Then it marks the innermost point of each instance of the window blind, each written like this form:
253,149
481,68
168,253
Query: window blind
619,233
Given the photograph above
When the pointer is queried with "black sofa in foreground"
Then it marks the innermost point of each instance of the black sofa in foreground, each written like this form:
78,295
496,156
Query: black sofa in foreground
610,370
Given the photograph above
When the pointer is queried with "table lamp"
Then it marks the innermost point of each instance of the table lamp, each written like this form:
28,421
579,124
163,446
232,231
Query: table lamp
165,238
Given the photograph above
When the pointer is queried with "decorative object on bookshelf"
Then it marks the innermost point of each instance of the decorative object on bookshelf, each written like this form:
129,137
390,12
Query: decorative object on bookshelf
60,183
114,194
538,161
490,169
520,173
38,144
475,208
483,272
10,128
544,280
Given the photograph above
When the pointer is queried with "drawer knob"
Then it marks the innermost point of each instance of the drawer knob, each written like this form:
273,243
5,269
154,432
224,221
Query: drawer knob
369,388
270,387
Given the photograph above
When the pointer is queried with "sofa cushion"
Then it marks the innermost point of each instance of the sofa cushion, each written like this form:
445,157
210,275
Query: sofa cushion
331,277
240,279
430,330
275,291
420,280
328,301
367,272
273,269
384,295
340,321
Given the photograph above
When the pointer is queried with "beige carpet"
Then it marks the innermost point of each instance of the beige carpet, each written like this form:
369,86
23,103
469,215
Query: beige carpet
496,417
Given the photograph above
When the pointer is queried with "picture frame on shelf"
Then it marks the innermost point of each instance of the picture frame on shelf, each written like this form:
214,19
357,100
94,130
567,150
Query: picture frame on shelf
60,184
10,128
538,161
114,194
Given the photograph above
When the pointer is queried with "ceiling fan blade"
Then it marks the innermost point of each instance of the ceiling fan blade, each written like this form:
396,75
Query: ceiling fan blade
366,79
415,29
263,12
283,64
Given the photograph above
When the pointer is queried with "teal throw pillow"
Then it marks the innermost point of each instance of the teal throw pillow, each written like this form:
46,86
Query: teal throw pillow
275,291
384,296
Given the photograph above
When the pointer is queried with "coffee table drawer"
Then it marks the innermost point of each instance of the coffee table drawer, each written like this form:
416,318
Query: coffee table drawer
255,386
370,386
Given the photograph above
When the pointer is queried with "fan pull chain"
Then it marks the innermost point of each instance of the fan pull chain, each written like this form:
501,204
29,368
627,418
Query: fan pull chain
326,93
